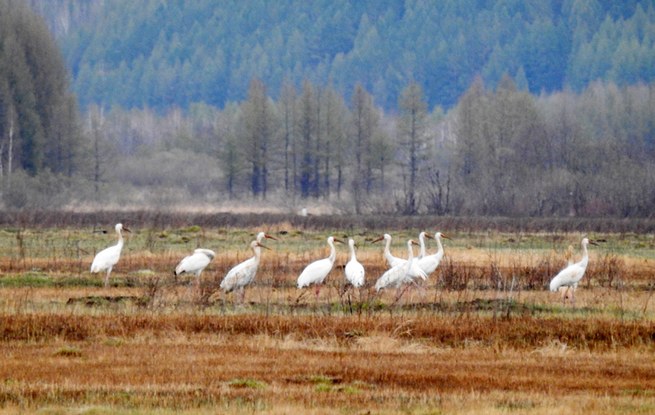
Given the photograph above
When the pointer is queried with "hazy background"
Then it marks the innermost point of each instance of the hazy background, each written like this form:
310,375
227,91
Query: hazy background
511,108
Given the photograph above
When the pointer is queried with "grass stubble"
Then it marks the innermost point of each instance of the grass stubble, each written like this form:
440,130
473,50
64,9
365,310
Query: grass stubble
482,337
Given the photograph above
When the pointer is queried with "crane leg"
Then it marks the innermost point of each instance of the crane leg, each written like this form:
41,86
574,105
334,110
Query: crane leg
107,278
302,294
400,292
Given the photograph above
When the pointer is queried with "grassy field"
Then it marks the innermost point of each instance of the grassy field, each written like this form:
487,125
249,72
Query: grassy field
482,336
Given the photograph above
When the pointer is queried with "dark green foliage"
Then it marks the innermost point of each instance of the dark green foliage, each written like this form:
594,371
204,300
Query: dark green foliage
157,54
38,115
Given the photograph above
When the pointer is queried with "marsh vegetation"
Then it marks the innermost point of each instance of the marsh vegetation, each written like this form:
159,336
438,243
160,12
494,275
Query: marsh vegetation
483,335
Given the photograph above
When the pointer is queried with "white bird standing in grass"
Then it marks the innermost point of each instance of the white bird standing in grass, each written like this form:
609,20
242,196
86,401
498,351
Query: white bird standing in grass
404,273
317,271
429,263
391,260
571,275
108,257
244,273
354,269
195,263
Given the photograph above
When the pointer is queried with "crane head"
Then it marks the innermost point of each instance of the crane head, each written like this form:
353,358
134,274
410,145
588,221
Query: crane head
120,227
385,237
589,241
264,235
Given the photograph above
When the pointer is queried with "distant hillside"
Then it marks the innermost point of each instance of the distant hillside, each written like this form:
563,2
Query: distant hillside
162,53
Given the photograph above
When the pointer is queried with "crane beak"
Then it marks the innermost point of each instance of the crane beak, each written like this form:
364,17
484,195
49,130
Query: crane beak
126,229
592,243
427,235
413,242
263,246
267,236
446,237
378,239
338,240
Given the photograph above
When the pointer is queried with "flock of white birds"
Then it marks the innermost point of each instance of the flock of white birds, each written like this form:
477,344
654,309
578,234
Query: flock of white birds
401,273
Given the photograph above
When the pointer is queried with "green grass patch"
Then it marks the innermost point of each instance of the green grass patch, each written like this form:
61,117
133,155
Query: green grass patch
68,351
42,280
323,387
31,279
247,384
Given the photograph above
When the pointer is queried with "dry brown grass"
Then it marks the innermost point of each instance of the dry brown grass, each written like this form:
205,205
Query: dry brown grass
434,330
383,372
482,336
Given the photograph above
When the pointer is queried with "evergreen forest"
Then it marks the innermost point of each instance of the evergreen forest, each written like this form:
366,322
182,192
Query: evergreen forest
159,53
498,108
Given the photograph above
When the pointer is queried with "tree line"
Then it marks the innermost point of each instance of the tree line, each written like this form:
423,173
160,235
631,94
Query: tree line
500,150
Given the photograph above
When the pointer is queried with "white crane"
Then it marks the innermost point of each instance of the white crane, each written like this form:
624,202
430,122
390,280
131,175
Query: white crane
429,263
244,273
195,263
404,273
354,269
391,260
108,257
571,275
421,241
317,271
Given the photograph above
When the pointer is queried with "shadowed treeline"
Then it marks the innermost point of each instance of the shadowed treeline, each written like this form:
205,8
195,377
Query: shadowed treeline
159,219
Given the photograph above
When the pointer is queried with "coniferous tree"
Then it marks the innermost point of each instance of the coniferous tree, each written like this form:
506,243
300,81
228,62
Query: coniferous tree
35,86
363,123
257,116
306,137
412,140
229,155
336,118
288,114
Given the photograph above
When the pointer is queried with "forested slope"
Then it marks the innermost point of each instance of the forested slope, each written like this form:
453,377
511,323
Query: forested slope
158,54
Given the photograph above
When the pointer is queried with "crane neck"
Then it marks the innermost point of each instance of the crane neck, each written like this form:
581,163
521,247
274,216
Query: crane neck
410,252
333,251
353,256
585,255
439,245
120,238
421,240
258,252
